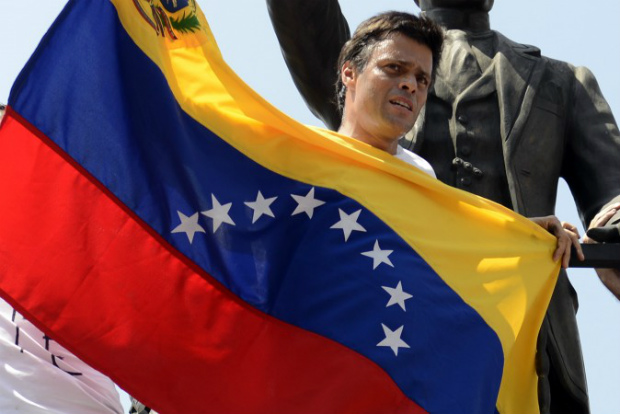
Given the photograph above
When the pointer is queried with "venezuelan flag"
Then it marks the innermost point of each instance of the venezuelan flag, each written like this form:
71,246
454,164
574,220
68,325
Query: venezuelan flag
208,253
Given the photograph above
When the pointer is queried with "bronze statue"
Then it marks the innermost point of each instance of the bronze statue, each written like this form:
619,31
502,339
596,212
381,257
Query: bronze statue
501,121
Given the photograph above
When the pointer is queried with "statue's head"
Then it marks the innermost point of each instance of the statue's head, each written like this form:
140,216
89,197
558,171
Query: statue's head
481,5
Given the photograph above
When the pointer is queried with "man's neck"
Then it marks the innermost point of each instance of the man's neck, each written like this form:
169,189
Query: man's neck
473,21
384,145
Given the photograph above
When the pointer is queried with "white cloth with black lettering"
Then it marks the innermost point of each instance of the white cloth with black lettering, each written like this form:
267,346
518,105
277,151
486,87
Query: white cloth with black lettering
38,376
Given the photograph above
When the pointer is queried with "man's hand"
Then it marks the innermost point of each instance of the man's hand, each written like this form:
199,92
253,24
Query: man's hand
567,235
609,277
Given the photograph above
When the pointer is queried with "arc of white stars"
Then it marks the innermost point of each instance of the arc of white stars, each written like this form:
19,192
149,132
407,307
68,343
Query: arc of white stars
219,213
397,296
392,339
379,256
261,206
348,223
189,226
306,204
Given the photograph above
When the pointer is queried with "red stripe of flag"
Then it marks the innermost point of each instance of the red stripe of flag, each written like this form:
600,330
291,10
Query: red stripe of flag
110,288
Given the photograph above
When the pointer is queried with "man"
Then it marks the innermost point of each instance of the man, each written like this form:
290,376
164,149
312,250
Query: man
501,121
385,72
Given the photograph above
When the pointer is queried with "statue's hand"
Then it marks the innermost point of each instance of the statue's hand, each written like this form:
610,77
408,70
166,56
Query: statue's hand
609,277
567,234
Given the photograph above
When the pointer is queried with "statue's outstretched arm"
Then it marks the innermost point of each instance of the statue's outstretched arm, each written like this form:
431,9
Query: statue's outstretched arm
311,34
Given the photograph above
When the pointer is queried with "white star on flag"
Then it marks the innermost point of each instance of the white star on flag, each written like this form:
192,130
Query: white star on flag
379,256
261,206
348,223
306,204
189,226
392,339
397,296
219,213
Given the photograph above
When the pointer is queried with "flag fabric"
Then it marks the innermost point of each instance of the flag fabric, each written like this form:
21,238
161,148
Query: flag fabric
210,254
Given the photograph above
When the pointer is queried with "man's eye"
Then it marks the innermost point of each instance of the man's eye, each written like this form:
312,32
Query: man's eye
393,67
423,80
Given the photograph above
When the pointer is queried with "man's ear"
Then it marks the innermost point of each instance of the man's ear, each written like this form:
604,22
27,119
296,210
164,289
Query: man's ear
348,75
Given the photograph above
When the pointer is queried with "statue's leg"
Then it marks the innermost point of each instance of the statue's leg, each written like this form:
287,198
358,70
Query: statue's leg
562,358
542,369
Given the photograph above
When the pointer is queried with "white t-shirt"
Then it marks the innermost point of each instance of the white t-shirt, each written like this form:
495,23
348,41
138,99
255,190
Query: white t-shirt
415,160
38,376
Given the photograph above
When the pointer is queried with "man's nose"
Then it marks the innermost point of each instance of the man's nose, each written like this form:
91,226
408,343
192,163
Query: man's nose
409,83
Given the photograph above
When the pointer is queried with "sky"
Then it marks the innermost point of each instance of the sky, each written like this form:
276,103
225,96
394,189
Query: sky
582,33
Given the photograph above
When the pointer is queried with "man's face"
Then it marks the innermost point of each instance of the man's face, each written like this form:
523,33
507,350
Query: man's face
384,99
483,5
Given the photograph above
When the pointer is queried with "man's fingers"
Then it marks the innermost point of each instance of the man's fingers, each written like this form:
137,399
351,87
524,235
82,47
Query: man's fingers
566,240
554,227
603,217
600,220
571,228
563,248
579,250
562,252
573,233
567,237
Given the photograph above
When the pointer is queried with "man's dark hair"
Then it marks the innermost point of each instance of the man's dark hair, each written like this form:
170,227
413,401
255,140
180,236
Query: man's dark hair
370,32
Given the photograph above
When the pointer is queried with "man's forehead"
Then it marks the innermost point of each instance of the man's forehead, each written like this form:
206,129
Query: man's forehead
401,45
404,50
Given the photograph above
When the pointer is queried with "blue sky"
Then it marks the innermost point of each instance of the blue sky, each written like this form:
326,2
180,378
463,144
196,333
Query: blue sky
582,33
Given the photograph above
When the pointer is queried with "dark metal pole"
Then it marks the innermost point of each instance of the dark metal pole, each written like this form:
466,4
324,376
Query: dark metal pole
598,255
